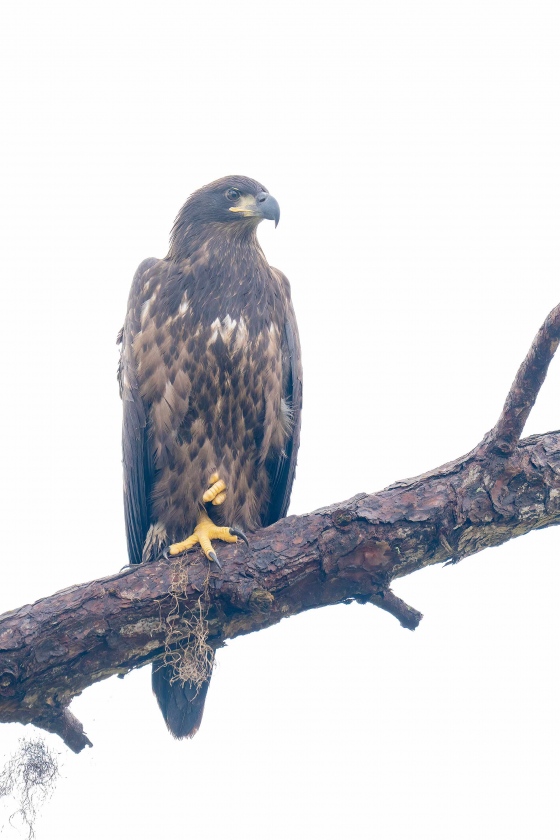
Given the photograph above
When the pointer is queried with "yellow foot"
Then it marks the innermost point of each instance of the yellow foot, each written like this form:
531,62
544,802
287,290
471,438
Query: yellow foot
216,492
203,533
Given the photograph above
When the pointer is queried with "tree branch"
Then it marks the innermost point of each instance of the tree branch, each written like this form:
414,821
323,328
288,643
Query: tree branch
51,650
526,386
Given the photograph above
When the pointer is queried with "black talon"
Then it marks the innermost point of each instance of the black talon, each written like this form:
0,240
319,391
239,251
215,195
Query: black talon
129,567
213,556
236,532
165,555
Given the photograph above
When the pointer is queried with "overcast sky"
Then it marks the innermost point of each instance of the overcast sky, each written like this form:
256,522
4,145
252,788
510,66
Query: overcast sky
414,150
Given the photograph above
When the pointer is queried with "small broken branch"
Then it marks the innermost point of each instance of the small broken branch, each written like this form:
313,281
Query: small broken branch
52,650
68,727
408,616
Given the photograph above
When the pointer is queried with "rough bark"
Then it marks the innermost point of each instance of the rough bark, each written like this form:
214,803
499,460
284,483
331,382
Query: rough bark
53,649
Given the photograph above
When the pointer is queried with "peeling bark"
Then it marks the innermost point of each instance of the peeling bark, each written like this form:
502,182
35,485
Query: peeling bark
50,651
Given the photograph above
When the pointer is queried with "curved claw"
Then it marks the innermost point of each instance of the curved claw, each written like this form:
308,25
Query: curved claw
213,556
165,555
236,532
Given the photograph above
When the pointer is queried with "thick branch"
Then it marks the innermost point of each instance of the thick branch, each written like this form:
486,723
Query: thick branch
52,650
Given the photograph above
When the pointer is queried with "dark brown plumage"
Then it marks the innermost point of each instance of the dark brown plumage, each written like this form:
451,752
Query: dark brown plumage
210,377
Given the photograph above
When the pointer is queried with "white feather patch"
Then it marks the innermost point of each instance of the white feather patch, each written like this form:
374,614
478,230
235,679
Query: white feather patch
145,311
225,328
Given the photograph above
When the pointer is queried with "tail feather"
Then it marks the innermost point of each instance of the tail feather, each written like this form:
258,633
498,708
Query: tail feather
181,704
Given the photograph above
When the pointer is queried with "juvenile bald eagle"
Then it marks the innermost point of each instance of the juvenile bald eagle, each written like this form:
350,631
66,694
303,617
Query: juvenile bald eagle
210,379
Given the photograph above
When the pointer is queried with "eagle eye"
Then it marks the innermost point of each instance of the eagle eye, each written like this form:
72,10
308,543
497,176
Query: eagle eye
232,194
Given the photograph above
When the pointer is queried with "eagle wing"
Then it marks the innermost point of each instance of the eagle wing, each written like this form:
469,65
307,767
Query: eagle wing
138,472
282,473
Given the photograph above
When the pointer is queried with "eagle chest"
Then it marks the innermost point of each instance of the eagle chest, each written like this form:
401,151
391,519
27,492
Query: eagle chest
213,392
235,384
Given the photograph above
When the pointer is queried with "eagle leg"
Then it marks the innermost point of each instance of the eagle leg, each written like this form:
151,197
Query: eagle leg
204,532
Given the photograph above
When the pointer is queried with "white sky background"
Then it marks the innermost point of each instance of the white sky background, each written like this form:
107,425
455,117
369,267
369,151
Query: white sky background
414,150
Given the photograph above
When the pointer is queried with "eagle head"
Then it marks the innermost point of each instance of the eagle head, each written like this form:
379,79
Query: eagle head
233,201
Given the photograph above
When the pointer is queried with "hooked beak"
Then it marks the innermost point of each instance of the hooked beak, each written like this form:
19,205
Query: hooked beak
262,206
268,207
